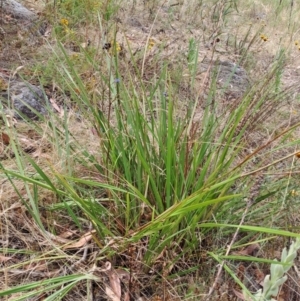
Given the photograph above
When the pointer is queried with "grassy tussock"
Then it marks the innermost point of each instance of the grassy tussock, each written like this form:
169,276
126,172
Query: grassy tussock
172,147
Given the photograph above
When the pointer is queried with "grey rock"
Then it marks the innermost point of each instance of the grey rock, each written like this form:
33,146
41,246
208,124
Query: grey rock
230,77
17,10
25,100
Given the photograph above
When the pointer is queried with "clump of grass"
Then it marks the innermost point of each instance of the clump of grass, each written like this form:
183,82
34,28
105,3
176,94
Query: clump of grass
156,180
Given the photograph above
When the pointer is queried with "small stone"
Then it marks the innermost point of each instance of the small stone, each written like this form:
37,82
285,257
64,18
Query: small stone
25,99
231,78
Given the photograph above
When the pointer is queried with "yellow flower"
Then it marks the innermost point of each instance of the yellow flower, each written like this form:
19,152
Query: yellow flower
3,85
263,37
118,47
64,22
294,192
114,48
151,44
296,43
